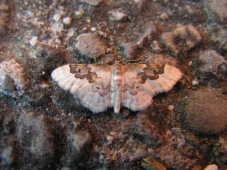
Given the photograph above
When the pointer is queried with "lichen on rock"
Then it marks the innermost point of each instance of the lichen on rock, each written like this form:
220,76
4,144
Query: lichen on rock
12,78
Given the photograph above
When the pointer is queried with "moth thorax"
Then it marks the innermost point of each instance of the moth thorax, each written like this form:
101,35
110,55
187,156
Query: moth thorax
117,77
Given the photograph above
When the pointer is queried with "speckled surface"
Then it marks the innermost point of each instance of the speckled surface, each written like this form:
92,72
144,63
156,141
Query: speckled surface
45,127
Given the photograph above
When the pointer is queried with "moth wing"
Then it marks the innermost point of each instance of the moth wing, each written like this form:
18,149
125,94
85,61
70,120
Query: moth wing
138,95
95,95
134,95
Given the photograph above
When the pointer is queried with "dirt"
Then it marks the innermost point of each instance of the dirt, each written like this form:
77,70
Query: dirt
45,127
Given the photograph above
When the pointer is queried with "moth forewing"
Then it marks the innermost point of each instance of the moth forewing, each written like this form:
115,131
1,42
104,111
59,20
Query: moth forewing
101,86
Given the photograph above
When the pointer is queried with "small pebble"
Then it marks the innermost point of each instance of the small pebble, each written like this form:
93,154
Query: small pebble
164,16
113,133
70,33
116,15
176,131
171,107
114,157
190,63
88,20
93,29
110,138
67,20
140,153
195,82
34,41
181,142
155,46
79,11
57,17
91,45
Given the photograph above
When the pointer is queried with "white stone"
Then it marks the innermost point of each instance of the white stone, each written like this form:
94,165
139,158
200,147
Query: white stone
67,20
34,41
195,82
93,29
70,33
57,17
116,15
190,63
110,138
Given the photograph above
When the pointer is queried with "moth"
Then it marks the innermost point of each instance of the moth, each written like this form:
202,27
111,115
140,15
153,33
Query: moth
99,86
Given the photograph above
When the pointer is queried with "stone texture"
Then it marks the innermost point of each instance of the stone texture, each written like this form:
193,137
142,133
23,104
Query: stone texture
90,45
129,49
150,164
220,151
211,167
170,153
117,15
206,112
140,153
65,100
7,156
12,78
78,141
150,29
8,124
216,9
218,34
145,129
35,138
47,60
131,140
182,39
211,63
4,17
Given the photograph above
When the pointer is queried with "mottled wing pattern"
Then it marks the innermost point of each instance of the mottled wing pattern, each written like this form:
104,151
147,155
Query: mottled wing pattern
143,81
90,83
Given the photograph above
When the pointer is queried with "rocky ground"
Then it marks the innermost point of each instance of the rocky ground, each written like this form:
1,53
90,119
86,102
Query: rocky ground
45,127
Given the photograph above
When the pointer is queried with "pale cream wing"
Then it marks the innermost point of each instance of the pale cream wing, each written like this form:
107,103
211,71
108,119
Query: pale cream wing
134,95
143,81
90,83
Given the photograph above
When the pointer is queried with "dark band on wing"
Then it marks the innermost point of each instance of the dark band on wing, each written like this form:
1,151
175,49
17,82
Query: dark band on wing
83,71
151,72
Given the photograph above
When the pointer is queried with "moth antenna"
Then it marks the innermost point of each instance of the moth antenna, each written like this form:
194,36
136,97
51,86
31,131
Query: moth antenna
145,61
134,60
